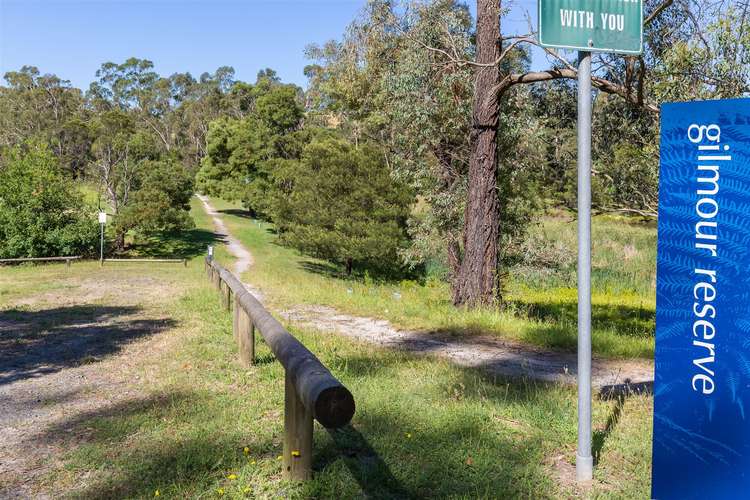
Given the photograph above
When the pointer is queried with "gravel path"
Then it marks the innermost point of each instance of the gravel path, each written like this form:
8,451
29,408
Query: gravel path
496,356
244,258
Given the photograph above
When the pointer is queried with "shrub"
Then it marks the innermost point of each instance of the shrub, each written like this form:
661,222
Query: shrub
344,206
42,214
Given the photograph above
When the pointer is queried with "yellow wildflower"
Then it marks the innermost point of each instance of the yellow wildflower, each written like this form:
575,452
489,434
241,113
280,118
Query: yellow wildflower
157,493
220,491
232,477
295,453
246,450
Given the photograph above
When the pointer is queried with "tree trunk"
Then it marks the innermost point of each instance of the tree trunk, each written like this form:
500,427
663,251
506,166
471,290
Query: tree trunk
119,241
477,281
349,266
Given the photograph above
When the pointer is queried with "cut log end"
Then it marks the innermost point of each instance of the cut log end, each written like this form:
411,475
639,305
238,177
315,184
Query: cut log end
334,407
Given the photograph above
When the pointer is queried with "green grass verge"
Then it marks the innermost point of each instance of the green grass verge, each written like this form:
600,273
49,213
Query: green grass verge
423,428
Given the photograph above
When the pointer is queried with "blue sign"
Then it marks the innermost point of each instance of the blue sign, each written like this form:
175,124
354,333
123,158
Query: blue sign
702,386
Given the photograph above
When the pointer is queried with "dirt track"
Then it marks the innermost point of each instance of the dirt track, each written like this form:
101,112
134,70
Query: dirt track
498,357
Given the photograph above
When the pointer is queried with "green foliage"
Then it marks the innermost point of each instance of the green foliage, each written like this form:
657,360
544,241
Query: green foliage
229,157
380,82
162,200
41,212
708,65
278,109
242,153
344,206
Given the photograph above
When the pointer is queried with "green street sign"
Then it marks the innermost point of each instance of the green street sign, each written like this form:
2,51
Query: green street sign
592,25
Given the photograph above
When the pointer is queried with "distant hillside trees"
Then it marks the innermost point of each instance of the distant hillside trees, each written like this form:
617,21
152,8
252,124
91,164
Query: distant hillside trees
140,138
42,213
45,108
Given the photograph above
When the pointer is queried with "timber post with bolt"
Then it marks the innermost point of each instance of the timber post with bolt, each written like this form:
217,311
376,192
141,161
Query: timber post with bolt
298,434
226,296
311,391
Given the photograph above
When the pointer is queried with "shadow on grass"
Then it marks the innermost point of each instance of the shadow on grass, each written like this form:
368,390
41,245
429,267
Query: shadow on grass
264,359
184,442
125,441
35,343
179,245
619,393
379,275
245,214
324,269
367,468
627,321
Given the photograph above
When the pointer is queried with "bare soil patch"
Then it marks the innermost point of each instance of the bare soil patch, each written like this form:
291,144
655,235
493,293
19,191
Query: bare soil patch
70,352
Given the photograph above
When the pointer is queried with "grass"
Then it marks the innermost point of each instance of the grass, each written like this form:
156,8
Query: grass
541,301
423,428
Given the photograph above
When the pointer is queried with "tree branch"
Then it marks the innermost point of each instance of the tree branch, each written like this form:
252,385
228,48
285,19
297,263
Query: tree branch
560,73
658,10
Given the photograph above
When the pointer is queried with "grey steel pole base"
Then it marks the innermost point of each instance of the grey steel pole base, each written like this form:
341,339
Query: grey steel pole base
584,460
584,468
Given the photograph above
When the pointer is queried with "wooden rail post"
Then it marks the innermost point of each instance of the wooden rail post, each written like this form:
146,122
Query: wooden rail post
311,392
226,295
236,320
298,434
245,336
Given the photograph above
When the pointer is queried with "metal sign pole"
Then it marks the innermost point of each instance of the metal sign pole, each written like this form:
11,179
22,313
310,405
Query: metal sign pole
584,460
102,221
101,246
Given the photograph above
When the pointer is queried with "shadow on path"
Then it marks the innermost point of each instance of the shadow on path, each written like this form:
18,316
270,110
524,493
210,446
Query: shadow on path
35,343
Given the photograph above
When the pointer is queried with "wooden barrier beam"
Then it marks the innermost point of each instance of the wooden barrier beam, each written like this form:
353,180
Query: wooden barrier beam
332,403
310,390
168,261
67,259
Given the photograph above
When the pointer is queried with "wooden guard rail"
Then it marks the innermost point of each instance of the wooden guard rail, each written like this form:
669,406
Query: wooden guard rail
67,259
168,261
311,392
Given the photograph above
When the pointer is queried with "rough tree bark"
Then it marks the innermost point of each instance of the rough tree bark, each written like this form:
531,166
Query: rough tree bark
477,281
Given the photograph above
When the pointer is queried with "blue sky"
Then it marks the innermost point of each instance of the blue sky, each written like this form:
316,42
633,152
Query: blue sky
72,38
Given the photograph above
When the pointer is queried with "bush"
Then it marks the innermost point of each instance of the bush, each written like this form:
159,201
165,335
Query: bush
344,206
42,214
161,202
